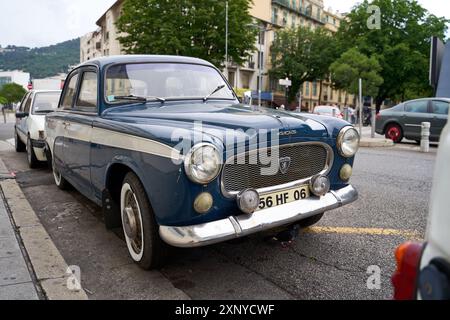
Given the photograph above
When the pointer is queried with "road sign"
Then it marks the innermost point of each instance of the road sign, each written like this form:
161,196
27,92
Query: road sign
286,82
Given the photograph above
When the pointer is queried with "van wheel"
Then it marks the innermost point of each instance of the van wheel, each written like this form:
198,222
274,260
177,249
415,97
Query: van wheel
33,162
20,146
141,231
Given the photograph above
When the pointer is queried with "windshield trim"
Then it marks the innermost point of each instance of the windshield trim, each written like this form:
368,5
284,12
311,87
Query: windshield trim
117,104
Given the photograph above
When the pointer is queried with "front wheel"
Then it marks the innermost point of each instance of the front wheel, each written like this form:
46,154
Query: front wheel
139,225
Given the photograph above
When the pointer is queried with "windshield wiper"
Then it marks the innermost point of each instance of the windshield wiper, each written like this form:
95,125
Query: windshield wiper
215,91
139,99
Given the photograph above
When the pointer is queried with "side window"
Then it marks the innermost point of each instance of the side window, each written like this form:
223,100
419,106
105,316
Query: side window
24,101
440,107
69,93
87,98
27,106
417,106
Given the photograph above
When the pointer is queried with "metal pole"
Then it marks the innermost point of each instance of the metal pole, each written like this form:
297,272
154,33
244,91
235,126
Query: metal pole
260,70
300,101
374,121
360,108
226,39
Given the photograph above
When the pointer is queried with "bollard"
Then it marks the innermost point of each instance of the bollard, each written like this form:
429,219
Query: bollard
374,121
425,143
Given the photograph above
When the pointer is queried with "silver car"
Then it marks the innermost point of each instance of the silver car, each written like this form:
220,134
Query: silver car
405,120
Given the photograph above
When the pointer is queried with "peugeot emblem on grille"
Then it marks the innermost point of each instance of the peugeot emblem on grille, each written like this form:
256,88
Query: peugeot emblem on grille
285,164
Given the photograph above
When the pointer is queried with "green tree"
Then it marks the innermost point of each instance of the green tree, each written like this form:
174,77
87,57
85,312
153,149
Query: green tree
12,93
302,54
401,44
352,66
187,27
3,100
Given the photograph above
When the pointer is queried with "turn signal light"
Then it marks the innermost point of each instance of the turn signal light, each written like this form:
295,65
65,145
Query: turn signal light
405,279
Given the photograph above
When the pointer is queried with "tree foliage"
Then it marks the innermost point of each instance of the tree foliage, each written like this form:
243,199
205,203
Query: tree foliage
302,54
187,27
352,66
42,62
12,93
401,45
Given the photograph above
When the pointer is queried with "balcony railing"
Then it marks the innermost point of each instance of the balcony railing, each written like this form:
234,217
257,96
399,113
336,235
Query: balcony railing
300,10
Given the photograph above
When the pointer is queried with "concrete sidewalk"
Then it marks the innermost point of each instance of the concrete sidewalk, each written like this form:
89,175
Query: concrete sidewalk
378,142
16,281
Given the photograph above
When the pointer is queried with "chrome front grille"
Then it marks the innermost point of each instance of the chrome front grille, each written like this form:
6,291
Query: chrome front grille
244,171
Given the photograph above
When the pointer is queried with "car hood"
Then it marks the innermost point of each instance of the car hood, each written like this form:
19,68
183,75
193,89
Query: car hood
217,118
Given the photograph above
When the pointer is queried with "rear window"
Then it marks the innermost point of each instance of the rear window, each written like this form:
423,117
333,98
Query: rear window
45,102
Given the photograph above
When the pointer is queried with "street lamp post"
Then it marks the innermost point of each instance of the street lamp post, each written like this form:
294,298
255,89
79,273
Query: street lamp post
226,39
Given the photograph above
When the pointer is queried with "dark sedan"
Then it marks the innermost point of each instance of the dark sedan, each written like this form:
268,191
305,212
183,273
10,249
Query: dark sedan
405,120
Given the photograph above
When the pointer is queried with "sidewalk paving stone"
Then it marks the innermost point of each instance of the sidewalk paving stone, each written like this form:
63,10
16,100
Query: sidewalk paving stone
22,291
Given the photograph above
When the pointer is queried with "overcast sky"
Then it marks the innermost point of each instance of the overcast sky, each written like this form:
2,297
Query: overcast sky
36,23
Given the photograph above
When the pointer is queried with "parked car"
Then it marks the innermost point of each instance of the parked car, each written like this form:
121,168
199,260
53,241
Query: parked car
405,120
329,111
29,131
423,269
126,135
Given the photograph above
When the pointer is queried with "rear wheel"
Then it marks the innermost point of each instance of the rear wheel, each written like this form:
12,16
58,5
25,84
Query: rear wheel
141,231
394,132
60,182
20,146
33,162
308,222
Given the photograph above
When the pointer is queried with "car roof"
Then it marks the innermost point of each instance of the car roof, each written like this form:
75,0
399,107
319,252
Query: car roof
428,99
104,61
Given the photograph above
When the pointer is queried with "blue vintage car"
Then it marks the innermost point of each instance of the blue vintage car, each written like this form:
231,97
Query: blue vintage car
164,146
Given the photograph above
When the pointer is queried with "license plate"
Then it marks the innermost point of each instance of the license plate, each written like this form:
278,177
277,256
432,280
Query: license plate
271,200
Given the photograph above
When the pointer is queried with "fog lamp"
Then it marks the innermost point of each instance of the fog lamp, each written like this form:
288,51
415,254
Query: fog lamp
346,172
320,185
203,203
248,201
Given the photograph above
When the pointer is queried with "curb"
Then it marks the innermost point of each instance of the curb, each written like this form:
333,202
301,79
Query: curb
48,264
376,143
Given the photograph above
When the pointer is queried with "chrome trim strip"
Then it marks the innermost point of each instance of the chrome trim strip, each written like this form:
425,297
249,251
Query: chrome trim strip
290,185
413,125
226,229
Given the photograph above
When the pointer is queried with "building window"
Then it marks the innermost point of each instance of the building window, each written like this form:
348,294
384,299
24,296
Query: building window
275,15
261,60
307,89
314,90
285,17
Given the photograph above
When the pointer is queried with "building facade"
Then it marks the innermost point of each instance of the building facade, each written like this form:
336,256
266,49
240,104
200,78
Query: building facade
269,16
16,76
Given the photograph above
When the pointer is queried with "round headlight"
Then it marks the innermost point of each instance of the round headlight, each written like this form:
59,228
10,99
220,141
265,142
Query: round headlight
203,163
348,142
320,185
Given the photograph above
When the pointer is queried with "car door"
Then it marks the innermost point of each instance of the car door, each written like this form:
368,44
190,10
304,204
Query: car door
439,109
22,127
77,144
416,112
57,124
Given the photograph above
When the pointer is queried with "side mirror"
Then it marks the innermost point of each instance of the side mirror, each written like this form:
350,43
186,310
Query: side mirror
21,115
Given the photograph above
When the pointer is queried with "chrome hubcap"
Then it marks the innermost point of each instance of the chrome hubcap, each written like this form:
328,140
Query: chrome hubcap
132,222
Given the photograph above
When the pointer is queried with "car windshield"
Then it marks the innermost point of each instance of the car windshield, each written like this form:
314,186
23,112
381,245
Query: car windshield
168,81
46,102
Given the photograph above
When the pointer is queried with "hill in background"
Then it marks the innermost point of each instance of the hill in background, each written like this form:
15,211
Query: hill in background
41,62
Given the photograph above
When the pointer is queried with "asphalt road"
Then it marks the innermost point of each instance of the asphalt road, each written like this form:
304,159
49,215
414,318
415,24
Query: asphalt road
323,263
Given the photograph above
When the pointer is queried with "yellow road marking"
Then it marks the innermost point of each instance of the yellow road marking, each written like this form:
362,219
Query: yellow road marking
410,234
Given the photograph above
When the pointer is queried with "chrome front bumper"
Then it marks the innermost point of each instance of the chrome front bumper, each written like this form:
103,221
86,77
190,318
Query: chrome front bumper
244,225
